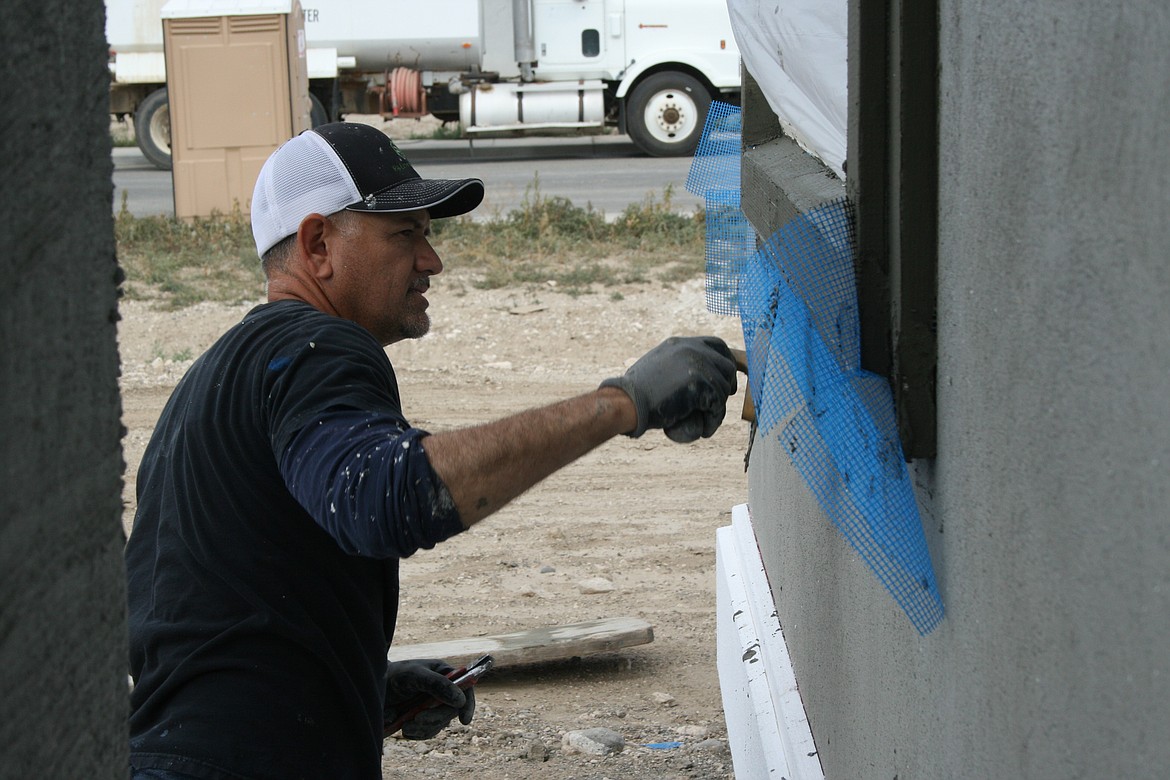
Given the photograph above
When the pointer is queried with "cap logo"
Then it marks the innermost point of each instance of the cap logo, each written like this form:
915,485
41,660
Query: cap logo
371,201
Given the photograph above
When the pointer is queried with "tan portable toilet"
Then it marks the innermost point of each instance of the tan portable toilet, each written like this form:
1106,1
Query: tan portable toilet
238,87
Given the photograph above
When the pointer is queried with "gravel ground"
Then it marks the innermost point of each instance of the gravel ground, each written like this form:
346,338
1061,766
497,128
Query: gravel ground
640,514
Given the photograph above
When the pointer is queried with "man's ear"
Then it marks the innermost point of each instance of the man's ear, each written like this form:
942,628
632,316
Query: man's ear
313,238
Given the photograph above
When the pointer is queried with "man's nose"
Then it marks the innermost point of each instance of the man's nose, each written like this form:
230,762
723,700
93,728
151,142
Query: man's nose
428,259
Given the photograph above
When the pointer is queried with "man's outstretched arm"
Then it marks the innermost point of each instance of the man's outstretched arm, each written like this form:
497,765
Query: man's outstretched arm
680,386
486,466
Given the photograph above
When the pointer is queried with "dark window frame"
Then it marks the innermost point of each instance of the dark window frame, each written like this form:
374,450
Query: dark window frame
892,182
892,186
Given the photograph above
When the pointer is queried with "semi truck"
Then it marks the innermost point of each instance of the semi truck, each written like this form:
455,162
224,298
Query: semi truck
648,68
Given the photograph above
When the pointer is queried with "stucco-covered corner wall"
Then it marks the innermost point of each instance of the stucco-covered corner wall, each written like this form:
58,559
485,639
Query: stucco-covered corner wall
63,690
1047,510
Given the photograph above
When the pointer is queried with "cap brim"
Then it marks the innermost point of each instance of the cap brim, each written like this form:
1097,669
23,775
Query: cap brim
441,197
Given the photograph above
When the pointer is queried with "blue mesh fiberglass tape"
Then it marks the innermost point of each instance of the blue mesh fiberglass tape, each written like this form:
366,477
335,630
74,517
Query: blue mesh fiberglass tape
714,176
717,157
730,241
835,421
797,300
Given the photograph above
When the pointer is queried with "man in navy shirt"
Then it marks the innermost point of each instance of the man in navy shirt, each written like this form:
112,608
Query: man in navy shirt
282,483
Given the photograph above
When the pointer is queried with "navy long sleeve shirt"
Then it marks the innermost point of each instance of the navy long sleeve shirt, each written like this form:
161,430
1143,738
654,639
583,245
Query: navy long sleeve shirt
279,490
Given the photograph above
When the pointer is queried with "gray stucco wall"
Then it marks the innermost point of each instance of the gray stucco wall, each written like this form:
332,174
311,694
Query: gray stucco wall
1047,509
62,604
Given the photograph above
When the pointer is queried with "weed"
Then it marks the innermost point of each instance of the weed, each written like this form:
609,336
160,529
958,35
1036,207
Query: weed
122,134
183,355
545,239
179,263
448,131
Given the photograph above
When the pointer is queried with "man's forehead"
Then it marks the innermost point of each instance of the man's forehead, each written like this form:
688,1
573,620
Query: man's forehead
420,218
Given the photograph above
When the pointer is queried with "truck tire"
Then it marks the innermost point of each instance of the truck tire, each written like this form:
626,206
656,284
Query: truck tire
317,114
665,114
152,129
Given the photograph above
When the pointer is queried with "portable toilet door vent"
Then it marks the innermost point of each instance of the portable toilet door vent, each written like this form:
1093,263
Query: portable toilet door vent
237,85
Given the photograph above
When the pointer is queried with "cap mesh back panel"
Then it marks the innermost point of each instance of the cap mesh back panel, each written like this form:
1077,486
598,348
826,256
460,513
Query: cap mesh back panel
797,301
304,176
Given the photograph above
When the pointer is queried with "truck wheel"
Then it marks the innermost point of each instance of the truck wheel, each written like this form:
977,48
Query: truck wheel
317,113
665,114
152,129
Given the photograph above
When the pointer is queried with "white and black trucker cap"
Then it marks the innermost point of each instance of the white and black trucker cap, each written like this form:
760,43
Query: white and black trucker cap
347,166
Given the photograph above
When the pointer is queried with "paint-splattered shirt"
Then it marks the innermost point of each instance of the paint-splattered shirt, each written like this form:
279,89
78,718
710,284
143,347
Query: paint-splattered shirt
280,488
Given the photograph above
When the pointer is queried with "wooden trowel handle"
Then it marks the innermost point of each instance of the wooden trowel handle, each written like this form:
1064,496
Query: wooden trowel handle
741,365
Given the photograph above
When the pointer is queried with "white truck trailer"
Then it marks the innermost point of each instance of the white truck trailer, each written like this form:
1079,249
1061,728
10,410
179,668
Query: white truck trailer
648,67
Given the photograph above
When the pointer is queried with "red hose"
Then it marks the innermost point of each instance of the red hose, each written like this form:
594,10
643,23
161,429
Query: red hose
406,95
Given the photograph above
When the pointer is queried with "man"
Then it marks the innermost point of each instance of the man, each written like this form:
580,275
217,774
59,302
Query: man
282,482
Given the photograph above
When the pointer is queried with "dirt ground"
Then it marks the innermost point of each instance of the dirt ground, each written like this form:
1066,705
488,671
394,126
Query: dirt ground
641,514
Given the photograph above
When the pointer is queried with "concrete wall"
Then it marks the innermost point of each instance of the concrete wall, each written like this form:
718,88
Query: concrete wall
1047,510
62,601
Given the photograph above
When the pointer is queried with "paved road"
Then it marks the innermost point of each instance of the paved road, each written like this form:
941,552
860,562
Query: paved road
605,171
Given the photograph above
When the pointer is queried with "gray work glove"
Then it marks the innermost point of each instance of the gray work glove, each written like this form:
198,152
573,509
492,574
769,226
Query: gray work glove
411,685
681,386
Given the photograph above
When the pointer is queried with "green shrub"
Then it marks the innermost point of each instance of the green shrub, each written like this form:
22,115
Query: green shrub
545,239
179,263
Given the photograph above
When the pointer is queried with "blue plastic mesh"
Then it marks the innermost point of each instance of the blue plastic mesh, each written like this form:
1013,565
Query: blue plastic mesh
730,241
714,176
797,299
717,157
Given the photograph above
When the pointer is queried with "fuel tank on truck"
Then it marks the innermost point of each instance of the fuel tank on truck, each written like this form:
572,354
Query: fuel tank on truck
437,35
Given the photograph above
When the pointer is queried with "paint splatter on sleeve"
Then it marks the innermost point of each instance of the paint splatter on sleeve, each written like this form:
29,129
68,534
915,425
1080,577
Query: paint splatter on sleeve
366,480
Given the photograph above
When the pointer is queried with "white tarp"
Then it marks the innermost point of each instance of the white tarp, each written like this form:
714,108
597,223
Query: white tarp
796,50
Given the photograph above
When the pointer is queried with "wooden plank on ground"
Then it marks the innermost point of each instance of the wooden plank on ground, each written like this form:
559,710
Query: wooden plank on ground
547,643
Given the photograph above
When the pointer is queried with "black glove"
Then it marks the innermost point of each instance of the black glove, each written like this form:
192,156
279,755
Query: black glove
422,683
681,386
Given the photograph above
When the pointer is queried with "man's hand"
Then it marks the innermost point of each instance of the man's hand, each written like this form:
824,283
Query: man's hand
414,684
681,386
